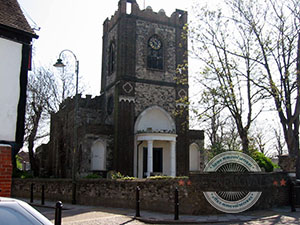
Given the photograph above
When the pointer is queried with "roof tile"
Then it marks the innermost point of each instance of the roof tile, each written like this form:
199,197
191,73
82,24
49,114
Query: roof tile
12,16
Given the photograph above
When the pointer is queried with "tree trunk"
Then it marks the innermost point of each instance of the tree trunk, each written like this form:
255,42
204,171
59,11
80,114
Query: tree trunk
31,156
245,144
31,139
291,135
243,133
296,146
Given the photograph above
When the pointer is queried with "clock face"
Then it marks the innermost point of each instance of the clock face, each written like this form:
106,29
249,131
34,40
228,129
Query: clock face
155,43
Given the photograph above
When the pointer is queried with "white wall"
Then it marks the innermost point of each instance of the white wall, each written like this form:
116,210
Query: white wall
10,66
156,119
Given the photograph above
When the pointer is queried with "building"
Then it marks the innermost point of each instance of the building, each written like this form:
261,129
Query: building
139,124
15,52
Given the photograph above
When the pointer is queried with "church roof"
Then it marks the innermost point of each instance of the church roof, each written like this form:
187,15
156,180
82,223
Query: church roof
12,16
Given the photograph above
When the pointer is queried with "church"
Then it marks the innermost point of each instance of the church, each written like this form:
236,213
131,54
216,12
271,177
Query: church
139,124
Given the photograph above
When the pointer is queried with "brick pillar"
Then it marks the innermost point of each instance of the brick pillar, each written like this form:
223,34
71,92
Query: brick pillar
5,170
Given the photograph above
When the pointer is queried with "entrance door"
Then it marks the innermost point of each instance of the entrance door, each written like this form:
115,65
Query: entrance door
98,156
157,161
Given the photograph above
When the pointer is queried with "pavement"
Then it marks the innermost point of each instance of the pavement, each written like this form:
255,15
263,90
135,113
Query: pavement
97,215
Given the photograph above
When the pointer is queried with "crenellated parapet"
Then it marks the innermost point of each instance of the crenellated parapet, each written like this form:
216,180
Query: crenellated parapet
84,102
131,8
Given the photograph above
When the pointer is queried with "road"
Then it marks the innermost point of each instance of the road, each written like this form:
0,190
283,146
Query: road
87,215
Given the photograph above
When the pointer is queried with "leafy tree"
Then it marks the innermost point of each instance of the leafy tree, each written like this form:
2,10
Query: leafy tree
278,44
251,50
226,76
263,161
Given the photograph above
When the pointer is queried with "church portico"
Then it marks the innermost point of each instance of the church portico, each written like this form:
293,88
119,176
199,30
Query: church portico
155,153
155,143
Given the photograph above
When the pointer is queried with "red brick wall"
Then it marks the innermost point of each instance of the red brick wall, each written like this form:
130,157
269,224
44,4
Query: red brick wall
5,171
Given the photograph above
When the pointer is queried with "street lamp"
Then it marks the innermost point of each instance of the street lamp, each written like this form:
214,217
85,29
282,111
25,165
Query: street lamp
59,64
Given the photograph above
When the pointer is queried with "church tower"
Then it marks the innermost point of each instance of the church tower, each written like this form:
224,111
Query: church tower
139,125
144,103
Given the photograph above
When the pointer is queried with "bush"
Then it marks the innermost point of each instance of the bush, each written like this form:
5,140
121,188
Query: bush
18,162
92,176
157,177
117,175
263,161
128,178
22,174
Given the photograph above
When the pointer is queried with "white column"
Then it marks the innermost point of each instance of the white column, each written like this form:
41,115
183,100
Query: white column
173,158
150,158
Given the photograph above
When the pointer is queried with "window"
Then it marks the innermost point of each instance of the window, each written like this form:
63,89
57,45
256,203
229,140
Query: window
128,7
155,53
13,217
110,105
111,58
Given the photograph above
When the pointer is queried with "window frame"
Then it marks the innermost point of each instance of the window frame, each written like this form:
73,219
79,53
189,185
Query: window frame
158,62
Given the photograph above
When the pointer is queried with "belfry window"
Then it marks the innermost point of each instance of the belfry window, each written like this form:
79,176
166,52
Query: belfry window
111,58
155,53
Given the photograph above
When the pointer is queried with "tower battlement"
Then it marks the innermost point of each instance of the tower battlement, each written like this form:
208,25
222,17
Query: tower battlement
131,8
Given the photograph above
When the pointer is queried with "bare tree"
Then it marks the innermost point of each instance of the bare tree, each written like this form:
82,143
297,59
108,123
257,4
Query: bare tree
260,143
259,140
45,92
211,116
279,142
222,136
42,99
65,81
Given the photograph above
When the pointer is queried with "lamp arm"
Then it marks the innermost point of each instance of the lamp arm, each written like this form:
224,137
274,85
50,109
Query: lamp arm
67,50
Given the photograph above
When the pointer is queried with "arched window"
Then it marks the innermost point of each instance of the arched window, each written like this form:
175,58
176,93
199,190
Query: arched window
155,53
111,58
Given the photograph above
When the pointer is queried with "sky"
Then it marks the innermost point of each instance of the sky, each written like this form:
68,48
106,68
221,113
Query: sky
77,25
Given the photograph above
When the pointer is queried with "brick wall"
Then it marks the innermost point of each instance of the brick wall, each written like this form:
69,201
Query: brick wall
5,170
